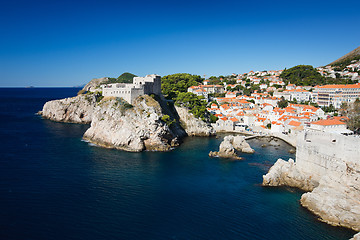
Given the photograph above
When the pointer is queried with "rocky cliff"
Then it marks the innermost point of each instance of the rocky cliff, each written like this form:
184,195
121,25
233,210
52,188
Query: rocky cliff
77,109
327,165
193,126
116,124
149,124
231,146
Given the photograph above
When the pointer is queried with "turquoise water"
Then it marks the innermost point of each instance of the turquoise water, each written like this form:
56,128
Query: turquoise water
53,185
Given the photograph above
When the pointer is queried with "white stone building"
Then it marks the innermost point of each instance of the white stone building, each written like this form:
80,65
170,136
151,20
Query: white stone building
299,95
336,94
330,125
286,95
151,84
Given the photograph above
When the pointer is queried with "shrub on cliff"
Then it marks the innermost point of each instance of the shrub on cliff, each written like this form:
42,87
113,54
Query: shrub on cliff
194,103
166,118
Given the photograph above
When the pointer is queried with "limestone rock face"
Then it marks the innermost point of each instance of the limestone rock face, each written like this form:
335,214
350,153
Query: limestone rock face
77,109
194,126
117,124
241,145
285,173
356,237
136,128
337,203
231,146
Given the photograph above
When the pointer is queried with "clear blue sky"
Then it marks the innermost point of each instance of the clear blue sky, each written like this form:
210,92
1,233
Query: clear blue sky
67,43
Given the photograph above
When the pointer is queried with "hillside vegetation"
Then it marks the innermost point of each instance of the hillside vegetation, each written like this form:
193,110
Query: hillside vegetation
175,87
172,85
302,75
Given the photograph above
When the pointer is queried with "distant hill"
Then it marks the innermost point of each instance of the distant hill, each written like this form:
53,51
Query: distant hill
126,77
346,59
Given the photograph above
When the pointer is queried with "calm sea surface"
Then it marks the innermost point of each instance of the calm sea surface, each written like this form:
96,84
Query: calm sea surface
53,185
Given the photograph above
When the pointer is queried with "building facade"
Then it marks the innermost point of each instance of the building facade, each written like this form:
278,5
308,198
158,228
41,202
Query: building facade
327,95
150,84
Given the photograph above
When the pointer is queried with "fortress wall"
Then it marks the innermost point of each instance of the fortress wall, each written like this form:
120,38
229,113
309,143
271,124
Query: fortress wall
123,91
320,153
135,92
140,86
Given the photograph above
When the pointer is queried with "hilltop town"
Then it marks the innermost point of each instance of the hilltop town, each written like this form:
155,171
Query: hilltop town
264,102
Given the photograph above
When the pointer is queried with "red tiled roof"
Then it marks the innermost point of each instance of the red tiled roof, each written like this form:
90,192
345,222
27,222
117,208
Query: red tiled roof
328,122
294,123
340,86
234,119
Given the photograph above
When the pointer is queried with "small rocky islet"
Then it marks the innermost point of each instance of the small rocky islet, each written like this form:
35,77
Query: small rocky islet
231,146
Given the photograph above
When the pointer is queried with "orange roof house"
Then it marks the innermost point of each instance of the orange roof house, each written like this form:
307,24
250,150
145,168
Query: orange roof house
234,119
328,122
294,123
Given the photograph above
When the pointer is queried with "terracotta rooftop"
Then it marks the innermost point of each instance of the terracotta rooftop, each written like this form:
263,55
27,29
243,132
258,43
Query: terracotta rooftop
328,122
340,86
294,123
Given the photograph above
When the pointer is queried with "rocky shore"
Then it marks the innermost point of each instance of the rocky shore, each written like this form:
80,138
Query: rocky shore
327,167
231,146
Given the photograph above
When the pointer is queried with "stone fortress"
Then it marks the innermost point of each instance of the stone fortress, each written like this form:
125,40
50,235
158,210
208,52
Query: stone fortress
150,84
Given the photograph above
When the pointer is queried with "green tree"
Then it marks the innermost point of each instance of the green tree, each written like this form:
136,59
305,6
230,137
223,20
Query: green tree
194,103
172,85
282,103
302,75
166,118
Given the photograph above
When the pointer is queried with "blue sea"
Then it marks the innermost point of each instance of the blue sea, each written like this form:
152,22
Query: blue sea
53,185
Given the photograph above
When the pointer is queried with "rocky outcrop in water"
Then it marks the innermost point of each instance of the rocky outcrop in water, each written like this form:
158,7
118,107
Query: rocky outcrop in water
356,237
231,146
240,144
285,173
194,126
335,202
133,128
327,165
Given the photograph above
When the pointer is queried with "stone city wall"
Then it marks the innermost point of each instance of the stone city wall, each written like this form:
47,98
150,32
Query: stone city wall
320,154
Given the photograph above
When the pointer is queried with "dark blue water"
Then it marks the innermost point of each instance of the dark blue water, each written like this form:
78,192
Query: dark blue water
55,186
